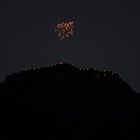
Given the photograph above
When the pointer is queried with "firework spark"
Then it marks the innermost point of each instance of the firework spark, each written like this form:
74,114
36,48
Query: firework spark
64,30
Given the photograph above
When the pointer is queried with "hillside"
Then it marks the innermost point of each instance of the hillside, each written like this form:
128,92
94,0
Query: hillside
71,103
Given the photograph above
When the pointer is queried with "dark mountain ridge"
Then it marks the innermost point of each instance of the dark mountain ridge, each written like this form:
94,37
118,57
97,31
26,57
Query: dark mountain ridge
83,103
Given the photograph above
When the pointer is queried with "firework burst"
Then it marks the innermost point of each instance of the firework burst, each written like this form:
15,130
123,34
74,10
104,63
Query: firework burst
64,30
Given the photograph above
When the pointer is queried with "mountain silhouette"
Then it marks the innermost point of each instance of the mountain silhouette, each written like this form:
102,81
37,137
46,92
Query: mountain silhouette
65,102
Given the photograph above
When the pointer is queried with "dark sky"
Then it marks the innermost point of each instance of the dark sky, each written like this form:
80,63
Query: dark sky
106,36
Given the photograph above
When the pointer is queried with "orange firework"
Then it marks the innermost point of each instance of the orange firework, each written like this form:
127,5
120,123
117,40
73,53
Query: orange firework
64,30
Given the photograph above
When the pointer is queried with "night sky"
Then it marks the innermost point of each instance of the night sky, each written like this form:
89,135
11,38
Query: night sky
106,36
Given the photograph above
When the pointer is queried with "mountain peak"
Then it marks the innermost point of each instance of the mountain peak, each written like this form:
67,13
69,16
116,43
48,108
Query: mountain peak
88,99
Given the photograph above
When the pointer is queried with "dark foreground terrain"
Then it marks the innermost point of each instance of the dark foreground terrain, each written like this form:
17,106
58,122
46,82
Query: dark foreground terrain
64,102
